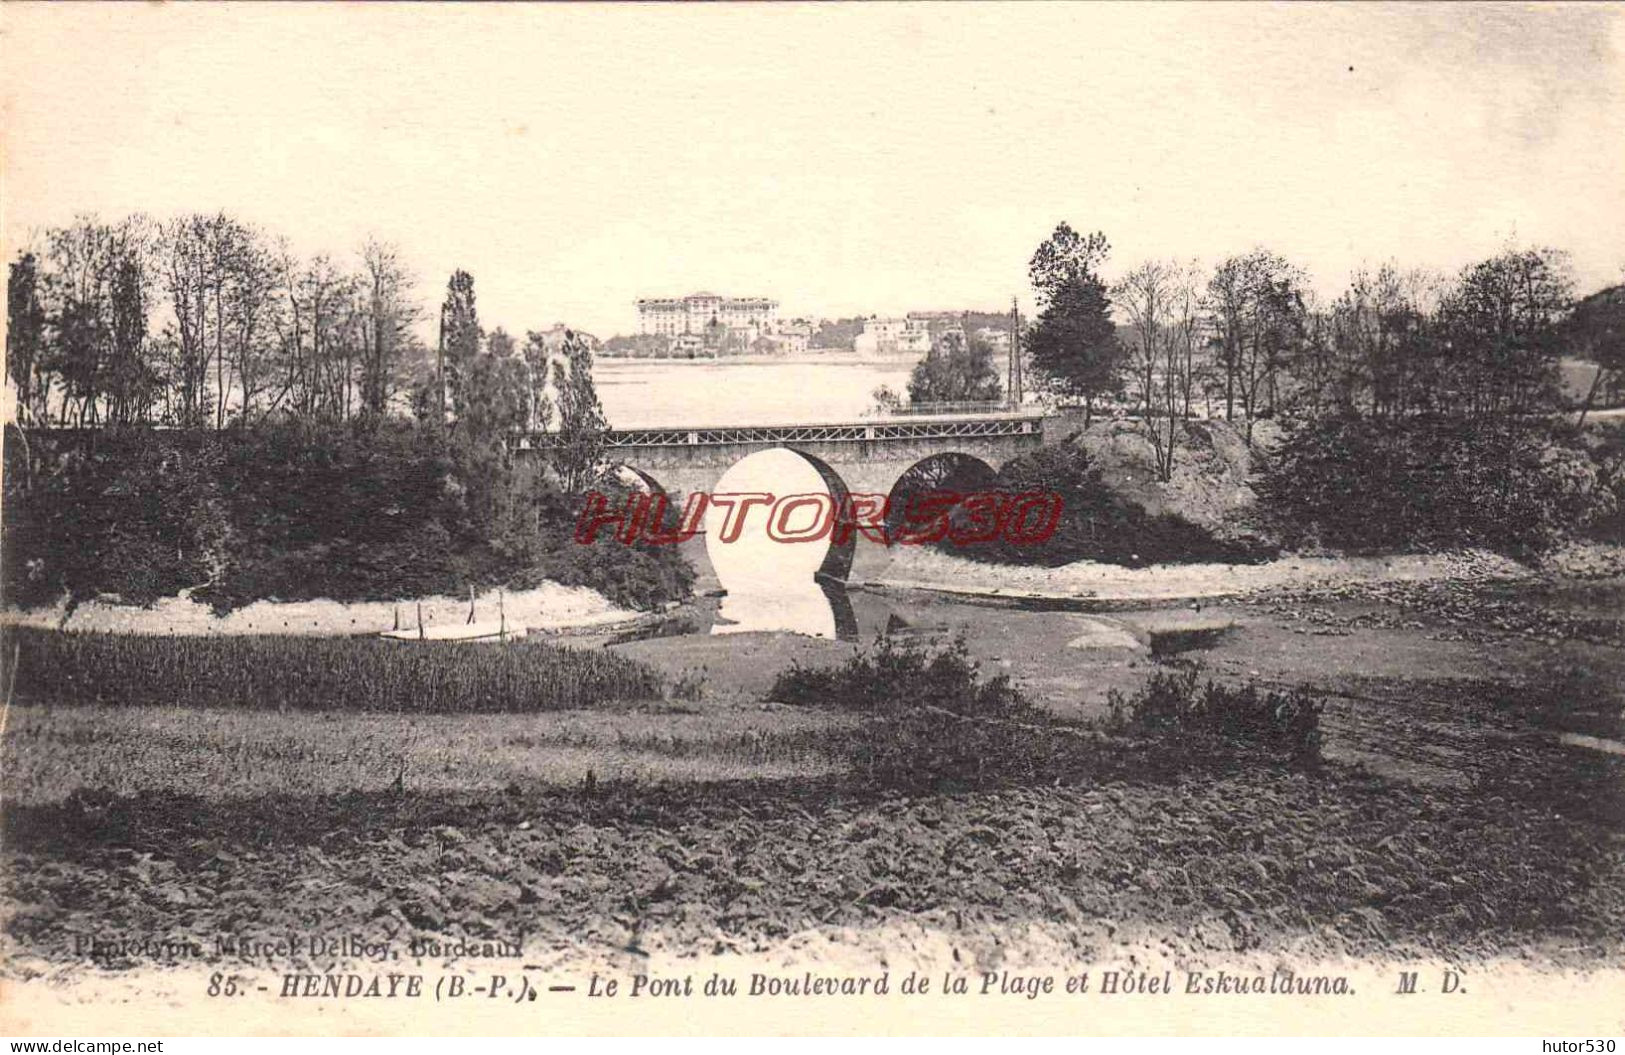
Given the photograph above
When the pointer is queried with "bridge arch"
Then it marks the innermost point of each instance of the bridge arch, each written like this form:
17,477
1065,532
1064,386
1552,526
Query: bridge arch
636,479
837,563
947,471
768,583
838,560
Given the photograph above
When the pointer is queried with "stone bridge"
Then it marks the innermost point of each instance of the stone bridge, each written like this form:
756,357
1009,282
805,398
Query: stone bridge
868,456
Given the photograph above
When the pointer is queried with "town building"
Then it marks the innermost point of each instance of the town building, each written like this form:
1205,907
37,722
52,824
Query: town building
890,335
553,339
790,339
687,346
997,338
698,312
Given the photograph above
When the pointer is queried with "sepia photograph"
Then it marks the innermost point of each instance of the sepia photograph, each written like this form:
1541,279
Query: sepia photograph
812,519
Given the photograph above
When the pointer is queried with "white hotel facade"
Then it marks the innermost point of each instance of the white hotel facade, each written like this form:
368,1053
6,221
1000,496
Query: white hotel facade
676,316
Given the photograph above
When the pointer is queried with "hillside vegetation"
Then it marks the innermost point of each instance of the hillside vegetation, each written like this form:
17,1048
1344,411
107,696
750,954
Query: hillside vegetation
1214,471
297,512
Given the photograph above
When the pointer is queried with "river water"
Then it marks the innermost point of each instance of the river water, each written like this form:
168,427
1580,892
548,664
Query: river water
645,393
765,585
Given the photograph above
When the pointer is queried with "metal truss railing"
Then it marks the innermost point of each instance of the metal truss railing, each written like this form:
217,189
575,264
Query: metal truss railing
842,432
973,406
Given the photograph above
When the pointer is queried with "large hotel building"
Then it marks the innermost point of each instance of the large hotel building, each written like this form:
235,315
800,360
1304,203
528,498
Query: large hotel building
674,316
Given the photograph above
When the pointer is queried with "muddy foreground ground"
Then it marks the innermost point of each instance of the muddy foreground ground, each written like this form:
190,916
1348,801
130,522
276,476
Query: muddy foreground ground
1472,805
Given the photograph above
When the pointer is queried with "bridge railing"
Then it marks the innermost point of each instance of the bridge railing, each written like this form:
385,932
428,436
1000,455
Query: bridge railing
894,429
970,406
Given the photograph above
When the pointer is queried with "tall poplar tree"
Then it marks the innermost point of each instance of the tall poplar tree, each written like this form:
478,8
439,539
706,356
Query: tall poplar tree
460,337
580,446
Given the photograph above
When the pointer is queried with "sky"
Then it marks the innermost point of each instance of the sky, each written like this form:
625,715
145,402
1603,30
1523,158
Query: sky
841,158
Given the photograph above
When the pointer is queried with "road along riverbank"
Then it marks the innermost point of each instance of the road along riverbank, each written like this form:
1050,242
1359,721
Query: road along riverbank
547,607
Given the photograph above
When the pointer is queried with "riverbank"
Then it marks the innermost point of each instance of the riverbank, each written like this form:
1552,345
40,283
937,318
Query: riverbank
552,608
916,567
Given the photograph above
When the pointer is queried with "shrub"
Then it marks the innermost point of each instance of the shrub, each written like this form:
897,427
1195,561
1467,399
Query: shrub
1429,483
634,576
933,723
1605,446
901,677
1173,708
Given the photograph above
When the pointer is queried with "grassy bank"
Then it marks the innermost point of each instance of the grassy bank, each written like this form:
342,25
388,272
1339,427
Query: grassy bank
53,753
47,667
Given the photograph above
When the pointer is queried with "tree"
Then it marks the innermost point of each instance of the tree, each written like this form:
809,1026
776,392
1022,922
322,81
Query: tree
80,339
1074,342
186,277
1435,425
26,336
321,339
1063,258
1373,351
460,336
250,330
500,343
539,357
580,445
1164,331
887,401
98,307
388,314
496,399
224,283
130,382
252,316
1256,310
955,370
837,333
1500,335
1429,482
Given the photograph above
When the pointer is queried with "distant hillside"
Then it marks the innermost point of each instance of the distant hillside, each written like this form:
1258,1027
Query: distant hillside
1595,333
994,320
1576,376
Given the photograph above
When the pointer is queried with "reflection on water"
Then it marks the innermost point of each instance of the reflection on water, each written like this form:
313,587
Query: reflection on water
772,585
847,614
825,610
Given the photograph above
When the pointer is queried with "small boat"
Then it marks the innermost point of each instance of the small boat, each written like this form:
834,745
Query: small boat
487,630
